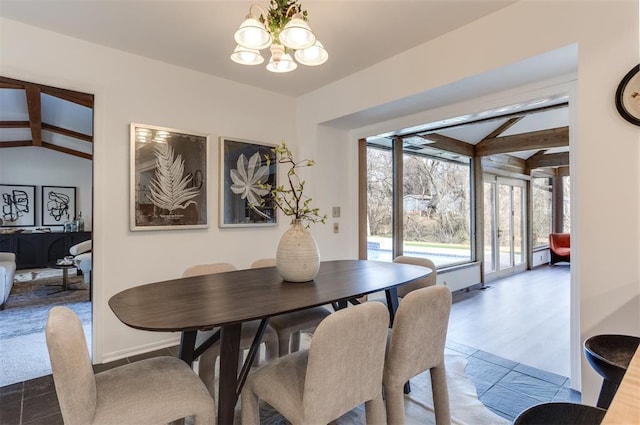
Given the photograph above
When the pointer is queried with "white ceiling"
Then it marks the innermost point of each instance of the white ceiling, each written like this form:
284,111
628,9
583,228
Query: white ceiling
199,34
357,34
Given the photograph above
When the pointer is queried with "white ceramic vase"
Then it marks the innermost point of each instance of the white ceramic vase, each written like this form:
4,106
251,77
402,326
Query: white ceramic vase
297,257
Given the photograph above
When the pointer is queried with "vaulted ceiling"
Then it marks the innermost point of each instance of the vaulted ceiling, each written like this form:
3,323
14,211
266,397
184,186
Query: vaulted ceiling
521,140
48,117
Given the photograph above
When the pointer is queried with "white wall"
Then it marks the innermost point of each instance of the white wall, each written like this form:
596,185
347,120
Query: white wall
605,148
44,167
128,89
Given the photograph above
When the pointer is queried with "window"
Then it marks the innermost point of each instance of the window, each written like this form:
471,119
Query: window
566,198
379,203
435,206
542,212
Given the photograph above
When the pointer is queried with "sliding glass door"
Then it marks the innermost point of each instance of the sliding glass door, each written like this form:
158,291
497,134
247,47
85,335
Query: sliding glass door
505,228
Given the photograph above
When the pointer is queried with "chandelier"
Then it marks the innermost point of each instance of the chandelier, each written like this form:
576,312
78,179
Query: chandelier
284,29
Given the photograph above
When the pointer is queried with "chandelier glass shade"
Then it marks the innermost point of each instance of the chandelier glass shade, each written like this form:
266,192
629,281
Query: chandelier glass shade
284,29
246,56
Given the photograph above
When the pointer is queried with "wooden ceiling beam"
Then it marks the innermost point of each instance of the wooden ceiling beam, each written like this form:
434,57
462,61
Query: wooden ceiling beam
66,132
67,151
543,173
548,160
14,124
449,144
34,106
508,160
543,139
9,85
82,99
79,98
15,143
498,131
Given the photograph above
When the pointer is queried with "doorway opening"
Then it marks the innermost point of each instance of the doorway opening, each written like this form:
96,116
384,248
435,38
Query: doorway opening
46,150
486,223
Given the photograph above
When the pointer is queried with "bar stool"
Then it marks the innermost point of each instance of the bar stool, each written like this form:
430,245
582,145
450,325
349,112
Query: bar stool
610,355
560,414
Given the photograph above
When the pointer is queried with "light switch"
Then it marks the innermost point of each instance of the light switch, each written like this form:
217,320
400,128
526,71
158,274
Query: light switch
336,228
336,212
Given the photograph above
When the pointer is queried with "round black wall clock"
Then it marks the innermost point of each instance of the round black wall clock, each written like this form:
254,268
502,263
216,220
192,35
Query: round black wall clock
628,96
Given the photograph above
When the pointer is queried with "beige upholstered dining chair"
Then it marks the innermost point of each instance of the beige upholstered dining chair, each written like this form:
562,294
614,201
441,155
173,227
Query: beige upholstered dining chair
288,326
150,391
207,362
430,280
416,345
341,370
403,290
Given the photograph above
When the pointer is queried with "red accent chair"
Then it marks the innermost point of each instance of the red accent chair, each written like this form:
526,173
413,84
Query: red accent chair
560,247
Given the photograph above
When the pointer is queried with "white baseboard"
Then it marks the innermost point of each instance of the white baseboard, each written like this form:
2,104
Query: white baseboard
140,349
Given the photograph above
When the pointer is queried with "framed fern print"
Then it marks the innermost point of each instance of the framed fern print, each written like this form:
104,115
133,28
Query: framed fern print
168,178
245,179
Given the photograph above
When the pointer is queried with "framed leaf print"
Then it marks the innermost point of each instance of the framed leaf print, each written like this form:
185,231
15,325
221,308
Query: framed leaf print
168,178
18,205
58,205
244,178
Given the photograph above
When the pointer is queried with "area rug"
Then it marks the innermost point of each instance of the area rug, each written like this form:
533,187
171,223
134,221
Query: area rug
23,350
42,287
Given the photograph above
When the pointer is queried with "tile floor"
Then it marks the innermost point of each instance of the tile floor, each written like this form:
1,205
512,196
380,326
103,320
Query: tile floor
507,387
504,386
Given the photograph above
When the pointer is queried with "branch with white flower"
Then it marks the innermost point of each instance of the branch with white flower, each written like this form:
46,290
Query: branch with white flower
291,199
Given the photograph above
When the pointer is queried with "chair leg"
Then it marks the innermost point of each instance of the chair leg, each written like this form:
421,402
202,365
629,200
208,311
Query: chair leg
272,348
440,395
250,409
607,391
375,411
283,343
295,341
395,404
207,369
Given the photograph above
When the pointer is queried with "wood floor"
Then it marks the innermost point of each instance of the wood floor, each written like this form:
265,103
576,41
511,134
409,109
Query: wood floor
524,318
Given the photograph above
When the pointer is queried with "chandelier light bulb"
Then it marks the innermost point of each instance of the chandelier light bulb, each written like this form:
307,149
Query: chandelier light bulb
280,62
297,34
245,56
312,56
285,64
252,34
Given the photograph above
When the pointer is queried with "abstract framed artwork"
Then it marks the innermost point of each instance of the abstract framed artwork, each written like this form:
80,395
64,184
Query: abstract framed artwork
244,202
18,205
168,178
58,205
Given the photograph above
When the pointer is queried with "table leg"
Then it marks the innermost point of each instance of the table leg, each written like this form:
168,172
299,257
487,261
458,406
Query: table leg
65,279
187,346
392,303
253,351
229,352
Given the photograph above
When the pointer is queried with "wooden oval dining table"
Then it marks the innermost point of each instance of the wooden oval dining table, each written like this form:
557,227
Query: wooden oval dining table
226,300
